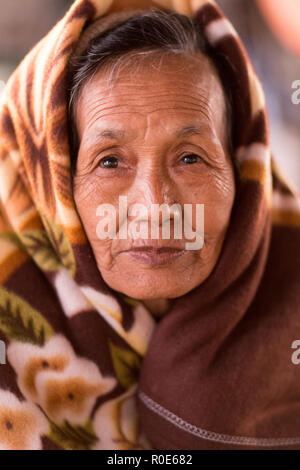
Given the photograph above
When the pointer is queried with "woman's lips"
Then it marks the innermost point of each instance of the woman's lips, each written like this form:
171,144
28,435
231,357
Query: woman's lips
155,256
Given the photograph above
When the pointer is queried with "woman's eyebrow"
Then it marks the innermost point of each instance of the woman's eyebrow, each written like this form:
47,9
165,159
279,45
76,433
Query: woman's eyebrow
106,134
113,134
191,129
183,131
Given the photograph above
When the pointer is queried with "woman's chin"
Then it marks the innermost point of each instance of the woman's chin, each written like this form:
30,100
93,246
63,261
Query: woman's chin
153,284
142,293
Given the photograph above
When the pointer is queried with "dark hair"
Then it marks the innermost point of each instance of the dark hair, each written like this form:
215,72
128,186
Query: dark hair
150,30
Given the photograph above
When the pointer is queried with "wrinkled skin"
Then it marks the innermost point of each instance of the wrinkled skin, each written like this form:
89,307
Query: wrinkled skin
147,165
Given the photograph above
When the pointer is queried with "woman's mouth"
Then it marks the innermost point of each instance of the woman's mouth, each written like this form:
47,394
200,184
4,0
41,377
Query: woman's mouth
155,256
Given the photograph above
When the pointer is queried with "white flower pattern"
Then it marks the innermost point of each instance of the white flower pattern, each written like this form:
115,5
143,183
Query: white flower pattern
21,424
64,385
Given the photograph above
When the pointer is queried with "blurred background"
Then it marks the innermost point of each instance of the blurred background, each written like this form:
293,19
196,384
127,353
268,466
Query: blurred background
270,30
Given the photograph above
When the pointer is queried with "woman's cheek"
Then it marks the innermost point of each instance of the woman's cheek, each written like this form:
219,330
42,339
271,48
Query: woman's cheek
217,194
102,247
88,196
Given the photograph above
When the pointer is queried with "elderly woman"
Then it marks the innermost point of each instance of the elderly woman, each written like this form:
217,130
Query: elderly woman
117,339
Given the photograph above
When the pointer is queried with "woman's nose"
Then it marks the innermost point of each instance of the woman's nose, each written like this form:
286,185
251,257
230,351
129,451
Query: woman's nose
153,187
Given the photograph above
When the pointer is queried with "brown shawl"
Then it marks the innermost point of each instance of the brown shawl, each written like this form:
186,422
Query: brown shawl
89,368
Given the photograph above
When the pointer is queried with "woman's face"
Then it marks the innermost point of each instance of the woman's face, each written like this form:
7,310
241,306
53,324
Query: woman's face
156,136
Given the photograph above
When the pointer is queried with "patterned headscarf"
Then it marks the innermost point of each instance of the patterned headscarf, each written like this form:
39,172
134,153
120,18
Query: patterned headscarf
90,368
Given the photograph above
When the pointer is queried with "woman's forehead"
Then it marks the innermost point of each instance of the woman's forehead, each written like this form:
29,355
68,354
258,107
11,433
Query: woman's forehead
150,73
191,93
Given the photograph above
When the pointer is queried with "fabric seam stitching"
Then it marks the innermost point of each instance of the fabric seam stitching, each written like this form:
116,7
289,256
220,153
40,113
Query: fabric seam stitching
210,435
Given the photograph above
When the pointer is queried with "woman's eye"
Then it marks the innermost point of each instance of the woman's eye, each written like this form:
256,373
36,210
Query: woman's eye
190,159
109,162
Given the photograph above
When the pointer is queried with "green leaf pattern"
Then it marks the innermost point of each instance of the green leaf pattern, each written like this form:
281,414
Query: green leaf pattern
20,322
126,364
49,248
73,437
61,244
